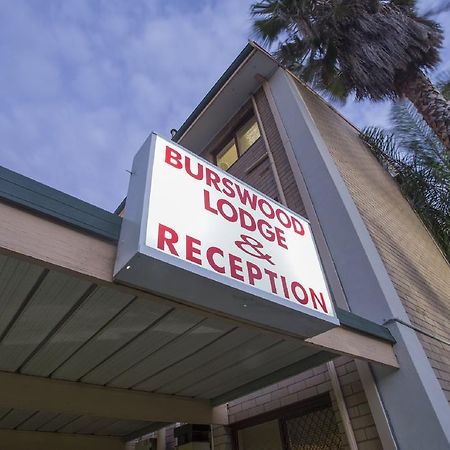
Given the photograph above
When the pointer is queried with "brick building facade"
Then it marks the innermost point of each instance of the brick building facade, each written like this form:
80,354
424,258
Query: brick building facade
95,361
417,269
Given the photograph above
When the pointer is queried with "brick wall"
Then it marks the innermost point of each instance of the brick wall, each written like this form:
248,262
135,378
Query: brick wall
222,438
417,268
415,264
309,384
170,439
312,382
293,199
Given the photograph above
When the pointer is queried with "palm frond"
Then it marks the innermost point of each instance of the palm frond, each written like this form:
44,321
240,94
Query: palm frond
443,84
421,166
416,137
375,45
268,30
403,3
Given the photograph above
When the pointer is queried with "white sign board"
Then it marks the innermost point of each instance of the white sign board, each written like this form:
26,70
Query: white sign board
202,220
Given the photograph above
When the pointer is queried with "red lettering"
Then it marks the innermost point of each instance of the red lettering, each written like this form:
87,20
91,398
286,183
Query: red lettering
316,299
192,250
272,277
169,237
207,202
263,202
210,257
304,299
235,267
297,226
266,230
228,187
281,238
173,158
246,220
212,179
283,218
245,197
199,174
285,287
240,269
232,214
254,273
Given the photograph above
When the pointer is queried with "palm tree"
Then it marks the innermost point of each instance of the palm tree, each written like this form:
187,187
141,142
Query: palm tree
375,49
419,162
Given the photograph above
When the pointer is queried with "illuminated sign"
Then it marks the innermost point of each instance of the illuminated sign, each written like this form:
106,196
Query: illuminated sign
192,222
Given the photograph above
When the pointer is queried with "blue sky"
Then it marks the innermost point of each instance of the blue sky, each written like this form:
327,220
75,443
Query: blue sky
83,82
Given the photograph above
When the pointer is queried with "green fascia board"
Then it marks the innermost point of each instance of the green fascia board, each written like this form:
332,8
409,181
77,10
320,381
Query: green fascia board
358,323
214,90
49,202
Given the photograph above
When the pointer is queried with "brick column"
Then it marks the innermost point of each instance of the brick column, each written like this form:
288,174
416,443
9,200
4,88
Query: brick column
411,399
221,438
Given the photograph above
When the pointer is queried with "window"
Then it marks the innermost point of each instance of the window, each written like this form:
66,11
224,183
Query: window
248,135
228,156
316,430
243,139
308,425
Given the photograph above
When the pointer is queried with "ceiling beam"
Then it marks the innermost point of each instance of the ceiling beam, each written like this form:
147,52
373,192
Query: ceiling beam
37,440
36,393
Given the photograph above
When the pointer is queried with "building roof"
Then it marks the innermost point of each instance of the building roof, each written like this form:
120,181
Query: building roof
44,200
248,49
226,97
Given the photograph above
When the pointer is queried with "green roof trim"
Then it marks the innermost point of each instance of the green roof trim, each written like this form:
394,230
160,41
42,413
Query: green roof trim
121,207
42,199
358,323
214,90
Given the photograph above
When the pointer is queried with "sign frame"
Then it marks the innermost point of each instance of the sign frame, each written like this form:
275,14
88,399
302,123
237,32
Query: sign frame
154,271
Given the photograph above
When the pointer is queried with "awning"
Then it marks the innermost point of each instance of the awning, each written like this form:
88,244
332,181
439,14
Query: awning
82,356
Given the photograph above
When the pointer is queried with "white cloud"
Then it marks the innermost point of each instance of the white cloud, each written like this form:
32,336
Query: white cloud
83,83
86,82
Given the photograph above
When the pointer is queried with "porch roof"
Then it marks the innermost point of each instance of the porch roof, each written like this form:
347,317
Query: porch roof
80,355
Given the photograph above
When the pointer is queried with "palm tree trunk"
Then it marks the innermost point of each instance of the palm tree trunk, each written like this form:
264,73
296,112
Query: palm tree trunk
431,104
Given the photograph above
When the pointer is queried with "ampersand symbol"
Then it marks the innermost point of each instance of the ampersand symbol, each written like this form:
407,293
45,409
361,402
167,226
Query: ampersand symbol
249,242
